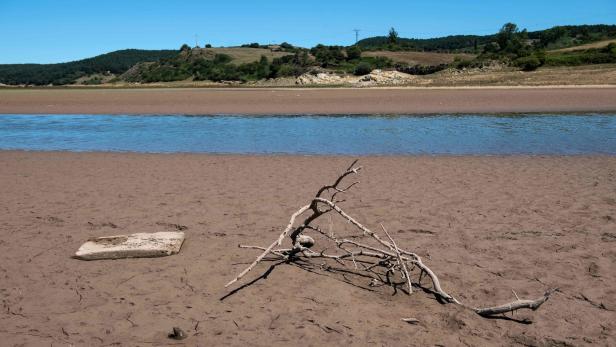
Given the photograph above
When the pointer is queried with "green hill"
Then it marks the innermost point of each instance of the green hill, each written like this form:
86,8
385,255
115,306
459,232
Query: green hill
116,63
214,64
553,38
455,43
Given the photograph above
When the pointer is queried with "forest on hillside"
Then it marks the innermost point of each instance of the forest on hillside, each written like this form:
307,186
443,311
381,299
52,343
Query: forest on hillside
65,73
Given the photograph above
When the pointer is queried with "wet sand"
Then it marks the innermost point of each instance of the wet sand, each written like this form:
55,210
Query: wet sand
303,101
487,225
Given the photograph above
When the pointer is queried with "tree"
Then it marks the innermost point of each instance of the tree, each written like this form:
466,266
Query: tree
328,56
392,37
302,59
510,42
506,34
185,48
263,69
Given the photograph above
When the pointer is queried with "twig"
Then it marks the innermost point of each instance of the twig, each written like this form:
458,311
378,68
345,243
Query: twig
410,320
402,263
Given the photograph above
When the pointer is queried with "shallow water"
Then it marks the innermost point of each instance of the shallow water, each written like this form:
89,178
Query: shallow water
314,135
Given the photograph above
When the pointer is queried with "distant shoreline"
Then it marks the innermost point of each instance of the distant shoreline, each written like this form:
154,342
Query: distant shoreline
276,101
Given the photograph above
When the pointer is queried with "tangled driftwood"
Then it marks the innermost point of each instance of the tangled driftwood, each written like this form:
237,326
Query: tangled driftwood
385,262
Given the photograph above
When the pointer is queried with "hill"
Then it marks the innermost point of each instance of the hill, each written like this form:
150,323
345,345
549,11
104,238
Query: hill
104,67
116,63
214,64
553,38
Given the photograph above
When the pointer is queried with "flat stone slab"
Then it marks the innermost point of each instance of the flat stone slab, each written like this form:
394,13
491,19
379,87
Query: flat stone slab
140,245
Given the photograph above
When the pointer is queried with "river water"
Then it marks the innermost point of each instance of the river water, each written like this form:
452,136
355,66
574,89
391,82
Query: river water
314,135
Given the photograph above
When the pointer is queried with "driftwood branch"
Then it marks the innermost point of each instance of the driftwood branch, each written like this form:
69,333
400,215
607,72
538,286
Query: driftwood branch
515,305
383,263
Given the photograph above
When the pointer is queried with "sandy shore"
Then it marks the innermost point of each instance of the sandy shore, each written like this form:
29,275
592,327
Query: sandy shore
487,225
301,101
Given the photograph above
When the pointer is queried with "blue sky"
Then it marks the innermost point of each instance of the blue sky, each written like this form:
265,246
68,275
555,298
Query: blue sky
37,31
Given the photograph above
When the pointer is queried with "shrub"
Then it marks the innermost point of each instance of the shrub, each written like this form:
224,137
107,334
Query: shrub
287,70
362,68
528,63
222,58
541,55
420,69
590,56
463,64
378,62
563,60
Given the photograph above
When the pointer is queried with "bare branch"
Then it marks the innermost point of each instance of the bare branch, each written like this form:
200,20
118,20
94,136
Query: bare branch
350,170
380,263
402,262
515,305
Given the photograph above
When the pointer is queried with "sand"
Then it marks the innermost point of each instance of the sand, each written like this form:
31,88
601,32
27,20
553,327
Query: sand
487,225
302,101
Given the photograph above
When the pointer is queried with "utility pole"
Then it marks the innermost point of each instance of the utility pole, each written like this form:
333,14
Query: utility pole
196,40
356,34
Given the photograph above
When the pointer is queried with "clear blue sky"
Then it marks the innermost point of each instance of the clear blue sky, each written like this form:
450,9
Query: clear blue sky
38,31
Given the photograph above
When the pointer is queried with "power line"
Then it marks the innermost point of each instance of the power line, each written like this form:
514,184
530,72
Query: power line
356,34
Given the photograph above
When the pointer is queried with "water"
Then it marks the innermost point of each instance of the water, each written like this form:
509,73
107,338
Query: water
314,135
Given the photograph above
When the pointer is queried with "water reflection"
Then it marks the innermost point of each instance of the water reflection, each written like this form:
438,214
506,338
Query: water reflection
344,134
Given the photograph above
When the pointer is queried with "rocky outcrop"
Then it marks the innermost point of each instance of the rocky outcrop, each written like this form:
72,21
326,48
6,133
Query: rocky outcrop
374,78
379,77
320,79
